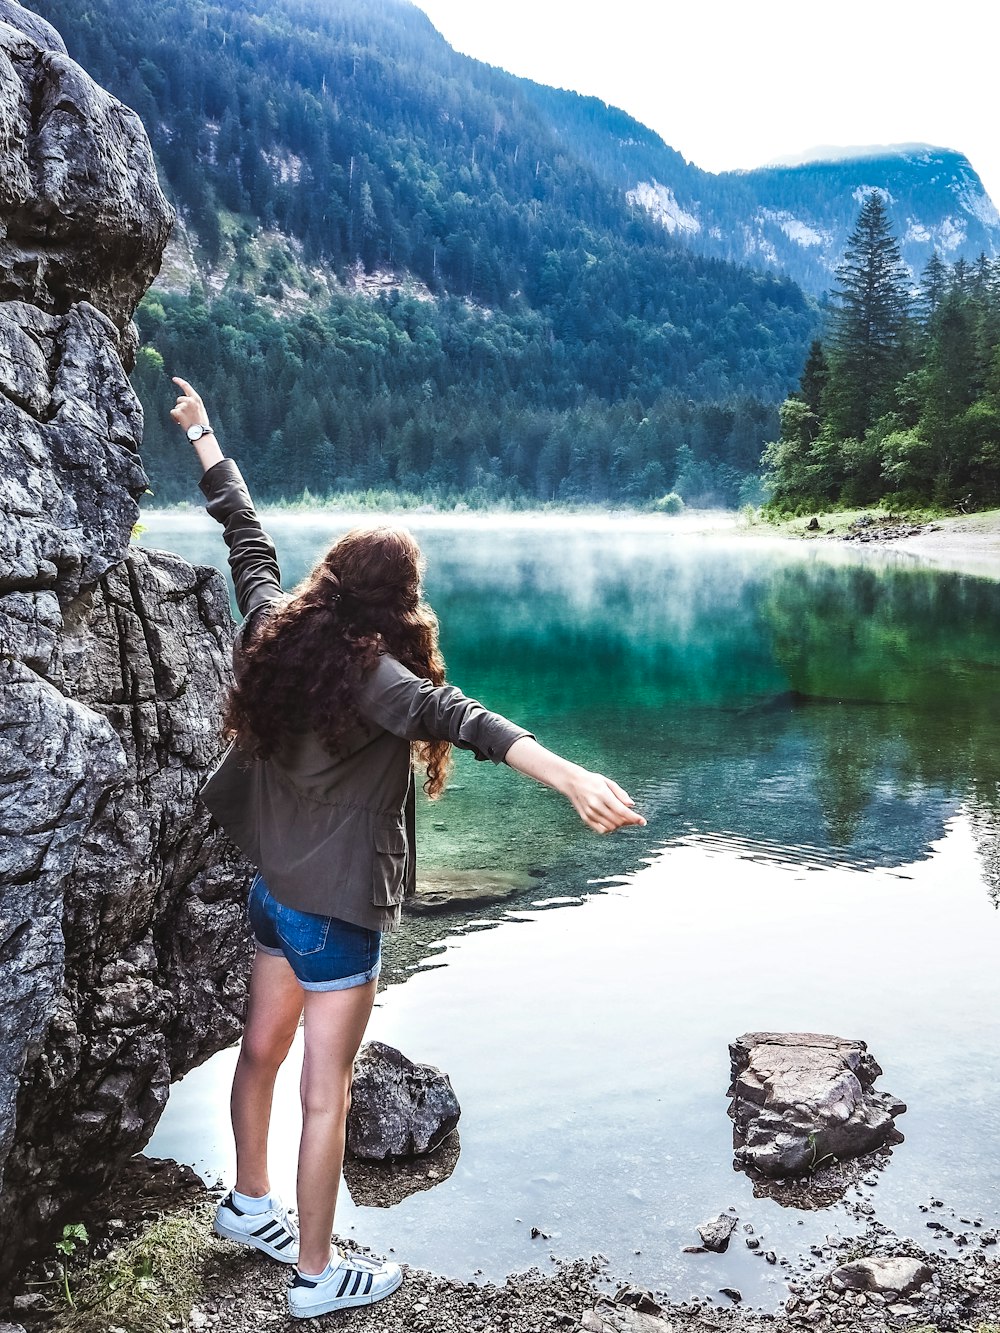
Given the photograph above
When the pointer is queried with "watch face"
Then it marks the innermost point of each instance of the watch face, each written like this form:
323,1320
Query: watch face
195,432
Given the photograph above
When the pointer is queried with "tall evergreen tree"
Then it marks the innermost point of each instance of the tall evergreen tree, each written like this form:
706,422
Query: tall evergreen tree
812,387
867,324
933,286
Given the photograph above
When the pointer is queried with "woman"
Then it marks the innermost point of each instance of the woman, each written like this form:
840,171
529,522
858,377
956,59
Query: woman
339,689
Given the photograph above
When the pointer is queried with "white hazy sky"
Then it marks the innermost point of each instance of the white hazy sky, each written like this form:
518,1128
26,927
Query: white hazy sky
735,84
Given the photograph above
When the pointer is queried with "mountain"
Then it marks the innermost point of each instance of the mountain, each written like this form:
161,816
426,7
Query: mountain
801,215
390,270
353,126
442,277
794,217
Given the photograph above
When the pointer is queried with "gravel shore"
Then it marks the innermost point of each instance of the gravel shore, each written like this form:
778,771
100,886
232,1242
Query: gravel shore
157,1268
962,544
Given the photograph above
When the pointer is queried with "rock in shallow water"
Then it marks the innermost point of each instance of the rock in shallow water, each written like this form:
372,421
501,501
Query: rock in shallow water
716,1234
398,1109
464,890
800,1098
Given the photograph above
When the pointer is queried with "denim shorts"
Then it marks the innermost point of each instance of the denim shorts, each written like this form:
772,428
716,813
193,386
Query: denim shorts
324,952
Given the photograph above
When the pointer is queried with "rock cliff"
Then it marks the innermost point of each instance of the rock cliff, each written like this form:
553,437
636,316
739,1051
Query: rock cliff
122,952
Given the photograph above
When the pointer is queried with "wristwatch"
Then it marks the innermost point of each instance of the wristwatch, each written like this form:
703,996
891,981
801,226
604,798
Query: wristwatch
194,433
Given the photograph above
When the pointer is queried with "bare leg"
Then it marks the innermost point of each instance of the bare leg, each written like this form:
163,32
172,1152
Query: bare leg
273,1013
335,1022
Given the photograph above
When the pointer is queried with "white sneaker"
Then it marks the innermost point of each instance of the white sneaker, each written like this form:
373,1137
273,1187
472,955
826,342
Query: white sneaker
352,1281
271,1231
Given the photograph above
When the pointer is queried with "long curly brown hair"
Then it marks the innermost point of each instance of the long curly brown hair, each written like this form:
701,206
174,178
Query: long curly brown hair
301,665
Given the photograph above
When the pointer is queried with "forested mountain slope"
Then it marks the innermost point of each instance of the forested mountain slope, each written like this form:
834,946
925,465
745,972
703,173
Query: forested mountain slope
570,347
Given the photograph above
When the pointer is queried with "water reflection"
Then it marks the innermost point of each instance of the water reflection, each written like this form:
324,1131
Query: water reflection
813,742
793,700
589,1047
767,692
385,1184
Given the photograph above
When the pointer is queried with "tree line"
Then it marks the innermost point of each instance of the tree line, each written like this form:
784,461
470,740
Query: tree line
901,403
431,400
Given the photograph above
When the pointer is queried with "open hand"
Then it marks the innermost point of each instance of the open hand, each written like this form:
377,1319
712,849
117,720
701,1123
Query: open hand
601,803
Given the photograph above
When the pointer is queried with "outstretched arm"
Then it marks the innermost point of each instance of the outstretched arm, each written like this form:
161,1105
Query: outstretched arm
411,707
600,803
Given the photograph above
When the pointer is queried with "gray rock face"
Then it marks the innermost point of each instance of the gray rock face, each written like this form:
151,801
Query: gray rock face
83,218
800,1098
38,29
900,1274
121,938
398,1109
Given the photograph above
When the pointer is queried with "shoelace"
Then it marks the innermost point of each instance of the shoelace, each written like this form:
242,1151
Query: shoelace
356,1262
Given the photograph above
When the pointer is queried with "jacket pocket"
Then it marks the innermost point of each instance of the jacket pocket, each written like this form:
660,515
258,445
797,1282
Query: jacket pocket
388,865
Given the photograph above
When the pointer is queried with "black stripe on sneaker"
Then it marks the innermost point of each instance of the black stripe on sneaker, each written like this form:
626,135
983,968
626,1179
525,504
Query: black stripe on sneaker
368,1284
357,1283
229,1203
266,1227
281,1244
343,1285
276,1231
301,1281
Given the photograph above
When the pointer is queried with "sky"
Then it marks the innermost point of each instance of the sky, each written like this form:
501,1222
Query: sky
733,84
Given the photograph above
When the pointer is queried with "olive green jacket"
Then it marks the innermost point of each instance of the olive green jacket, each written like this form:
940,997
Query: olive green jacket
331,833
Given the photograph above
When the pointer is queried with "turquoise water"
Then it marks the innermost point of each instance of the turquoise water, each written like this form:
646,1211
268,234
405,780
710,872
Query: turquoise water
813,741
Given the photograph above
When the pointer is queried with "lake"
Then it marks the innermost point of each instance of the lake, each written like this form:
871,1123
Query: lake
812,734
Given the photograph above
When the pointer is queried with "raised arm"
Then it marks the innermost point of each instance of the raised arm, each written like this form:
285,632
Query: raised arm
190,414
252,557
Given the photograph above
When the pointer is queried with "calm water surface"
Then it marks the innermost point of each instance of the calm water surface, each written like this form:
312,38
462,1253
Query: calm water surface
813,740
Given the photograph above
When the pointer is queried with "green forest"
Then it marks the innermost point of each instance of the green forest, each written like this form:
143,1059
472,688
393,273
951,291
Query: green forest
432,400
565,346
901,404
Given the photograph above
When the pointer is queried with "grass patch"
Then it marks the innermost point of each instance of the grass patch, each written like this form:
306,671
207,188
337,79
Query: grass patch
146,1281
838,522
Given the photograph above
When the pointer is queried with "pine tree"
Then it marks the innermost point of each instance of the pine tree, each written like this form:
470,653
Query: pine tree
867,324
933,286
812,386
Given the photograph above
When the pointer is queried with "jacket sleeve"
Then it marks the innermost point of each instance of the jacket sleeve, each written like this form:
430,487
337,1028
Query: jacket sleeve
407,705
252,556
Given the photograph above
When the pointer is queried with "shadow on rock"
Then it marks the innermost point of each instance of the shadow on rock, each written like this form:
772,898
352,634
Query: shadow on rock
817,1189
